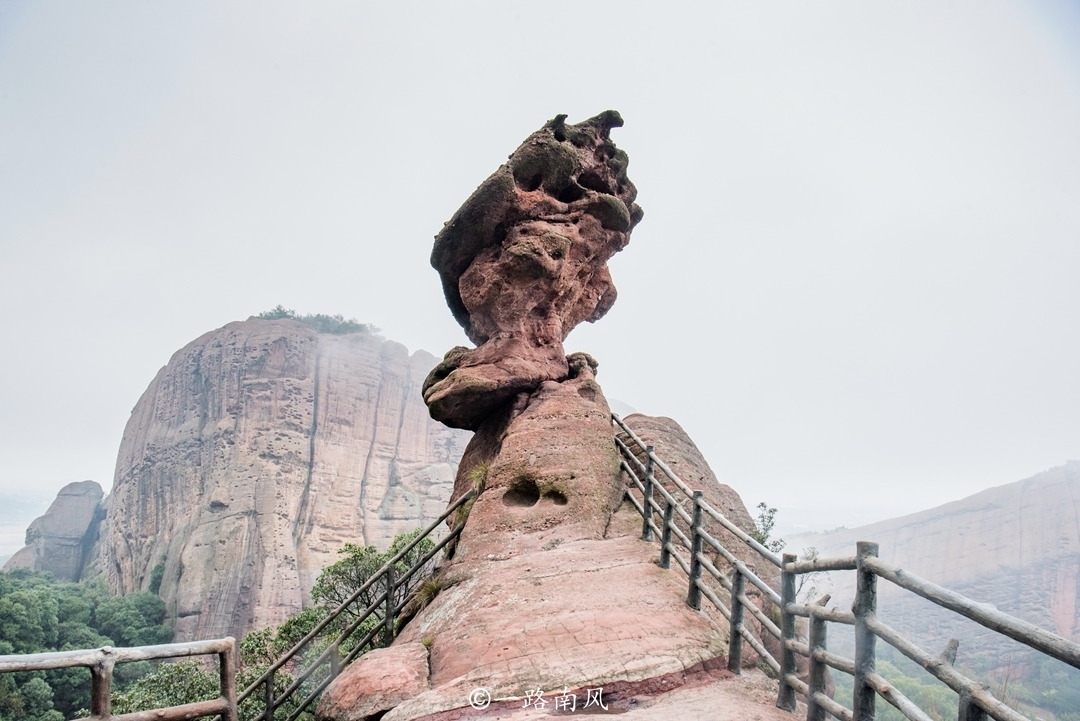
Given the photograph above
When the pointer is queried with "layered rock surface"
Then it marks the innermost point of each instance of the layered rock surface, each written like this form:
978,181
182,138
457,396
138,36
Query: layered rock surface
61,541
255,454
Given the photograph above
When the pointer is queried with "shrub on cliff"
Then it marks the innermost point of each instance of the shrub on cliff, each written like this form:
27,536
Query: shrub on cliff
333,324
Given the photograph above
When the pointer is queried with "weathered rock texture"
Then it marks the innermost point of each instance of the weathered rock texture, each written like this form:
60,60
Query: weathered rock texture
378,681
60,542
1016,546
550,586
255,454
672,444
524,261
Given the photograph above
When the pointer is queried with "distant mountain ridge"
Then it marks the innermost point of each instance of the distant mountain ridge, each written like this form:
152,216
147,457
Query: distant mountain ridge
1016,546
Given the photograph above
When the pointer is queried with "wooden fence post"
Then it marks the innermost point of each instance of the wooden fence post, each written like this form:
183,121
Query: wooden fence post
227,678
268,715
693,598
335,660
863,695
665,535
785,698
101,688
646,529
819,630
738,588
388,615
969,710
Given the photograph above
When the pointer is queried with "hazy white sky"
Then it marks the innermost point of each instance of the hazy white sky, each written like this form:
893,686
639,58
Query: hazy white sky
859,268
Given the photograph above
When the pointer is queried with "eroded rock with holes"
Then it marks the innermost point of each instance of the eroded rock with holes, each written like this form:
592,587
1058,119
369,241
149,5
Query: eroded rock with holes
524,261
550,585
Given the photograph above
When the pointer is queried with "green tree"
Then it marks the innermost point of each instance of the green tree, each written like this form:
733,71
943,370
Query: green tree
763,528
133,620
333,324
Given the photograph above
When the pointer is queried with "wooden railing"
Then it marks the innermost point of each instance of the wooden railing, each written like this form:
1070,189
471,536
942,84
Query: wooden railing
100,661
391,584
688,549
976,702
385,608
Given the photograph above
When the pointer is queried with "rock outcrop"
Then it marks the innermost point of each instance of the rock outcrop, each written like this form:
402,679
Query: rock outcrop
524,261
60,541
255,454
550,586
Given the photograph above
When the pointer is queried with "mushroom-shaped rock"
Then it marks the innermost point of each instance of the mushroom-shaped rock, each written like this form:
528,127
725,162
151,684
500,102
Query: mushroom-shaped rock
524,261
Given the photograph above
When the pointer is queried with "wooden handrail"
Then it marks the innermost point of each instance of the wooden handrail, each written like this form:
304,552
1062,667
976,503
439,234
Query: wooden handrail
975,698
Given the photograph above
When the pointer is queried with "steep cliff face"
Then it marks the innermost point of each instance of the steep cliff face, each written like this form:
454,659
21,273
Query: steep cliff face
1016,546
255,454
60,541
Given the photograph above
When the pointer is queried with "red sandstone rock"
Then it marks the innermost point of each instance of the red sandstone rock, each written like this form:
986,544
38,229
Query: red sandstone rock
377,681
525,260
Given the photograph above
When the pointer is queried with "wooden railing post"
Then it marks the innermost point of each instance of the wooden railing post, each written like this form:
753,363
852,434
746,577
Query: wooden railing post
693,598
335,660
865,607
268,714
738,588
969,710
665,535
101,688
818,679
785,698
227,677
388,616
646,528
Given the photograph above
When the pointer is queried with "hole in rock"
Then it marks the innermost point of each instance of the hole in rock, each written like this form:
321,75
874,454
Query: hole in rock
588,393
523,493
571,193
594,181
534,182
555,497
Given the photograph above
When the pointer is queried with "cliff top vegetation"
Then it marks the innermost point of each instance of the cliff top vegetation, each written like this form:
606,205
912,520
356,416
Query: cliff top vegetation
322,323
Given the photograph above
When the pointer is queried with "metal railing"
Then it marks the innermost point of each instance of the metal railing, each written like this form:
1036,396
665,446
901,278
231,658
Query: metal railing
101,661
976,702
385,608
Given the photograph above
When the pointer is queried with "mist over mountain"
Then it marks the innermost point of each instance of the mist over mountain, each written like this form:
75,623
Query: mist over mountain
253,456
1015,546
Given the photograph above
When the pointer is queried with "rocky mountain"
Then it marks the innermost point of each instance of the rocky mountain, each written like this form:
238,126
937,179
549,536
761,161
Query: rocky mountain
255,454
61,541
1016,546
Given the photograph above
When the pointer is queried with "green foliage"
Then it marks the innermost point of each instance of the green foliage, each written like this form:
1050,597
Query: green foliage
39,614
172,684
763,527
333,324
155,578
338,582
1055,687
183,682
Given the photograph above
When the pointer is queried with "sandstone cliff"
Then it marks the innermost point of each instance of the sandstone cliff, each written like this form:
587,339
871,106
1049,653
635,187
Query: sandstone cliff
255,454
1016,546
60,541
